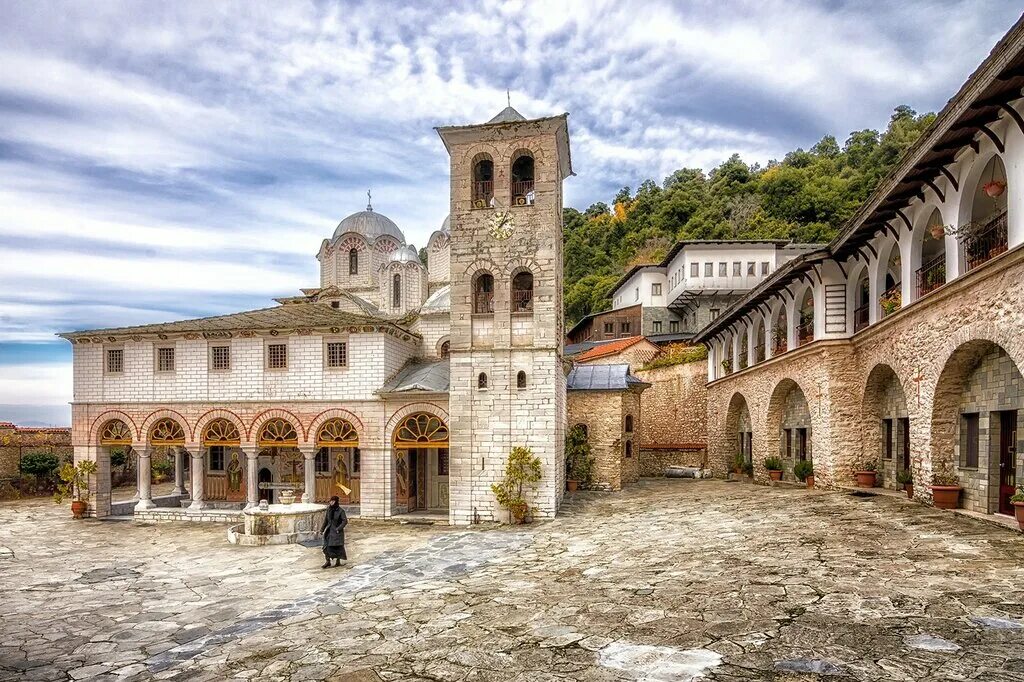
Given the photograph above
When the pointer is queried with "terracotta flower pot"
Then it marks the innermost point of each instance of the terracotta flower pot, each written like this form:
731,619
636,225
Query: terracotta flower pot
775,474
994,188
946,496
865,479
571,485
809,481
78,508
1018,512
909,487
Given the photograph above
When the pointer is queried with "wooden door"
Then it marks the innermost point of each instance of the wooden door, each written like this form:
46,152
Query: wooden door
905,432
265,476
437,475
421,479
1007,459
413,457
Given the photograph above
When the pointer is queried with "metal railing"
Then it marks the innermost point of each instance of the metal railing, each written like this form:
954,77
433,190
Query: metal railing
988,242
779,345
522,300
805,332
891,298
483,302
931,275
758,353
743,357
860,317
483,192
522,192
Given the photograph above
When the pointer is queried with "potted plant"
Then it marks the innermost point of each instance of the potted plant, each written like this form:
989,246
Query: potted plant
74,484
774,467
937,231
945,490
727,365
994,188
866,475
1018,505
891,301
521,471
748,469
906,479
579,463
804,470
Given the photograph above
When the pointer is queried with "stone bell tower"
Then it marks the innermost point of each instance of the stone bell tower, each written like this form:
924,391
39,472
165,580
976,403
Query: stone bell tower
507,326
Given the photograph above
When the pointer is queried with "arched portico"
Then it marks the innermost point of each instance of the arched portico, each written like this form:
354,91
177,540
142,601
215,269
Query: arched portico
420,463
787,427
740,431
886,425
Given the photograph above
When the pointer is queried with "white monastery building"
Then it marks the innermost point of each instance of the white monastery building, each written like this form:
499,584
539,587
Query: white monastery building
405,384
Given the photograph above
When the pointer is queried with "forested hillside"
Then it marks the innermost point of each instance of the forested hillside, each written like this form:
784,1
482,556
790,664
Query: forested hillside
805,197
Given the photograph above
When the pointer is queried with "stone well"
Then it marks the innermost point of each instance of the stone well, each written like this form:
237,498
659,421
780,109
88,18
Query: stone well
278,524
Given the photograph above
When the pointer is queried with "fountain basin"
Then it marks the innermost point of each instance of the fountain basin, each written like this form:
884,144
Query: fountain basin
278,524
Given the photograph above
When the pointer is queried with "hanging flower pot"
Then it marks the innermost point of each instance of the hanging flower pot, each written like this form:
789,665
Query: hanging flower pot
994,188
937,231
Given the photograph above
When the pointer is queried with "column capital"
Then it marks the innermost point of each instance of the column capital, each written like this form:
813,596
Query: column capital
308,451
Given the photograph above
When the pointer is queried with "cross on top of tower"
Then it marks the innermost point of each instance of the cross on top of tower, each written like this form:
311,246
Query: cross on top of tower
369,201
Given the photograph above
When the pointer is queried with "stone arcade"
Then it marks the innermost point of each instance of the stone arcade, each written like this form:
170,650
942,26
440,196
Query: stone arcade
405,384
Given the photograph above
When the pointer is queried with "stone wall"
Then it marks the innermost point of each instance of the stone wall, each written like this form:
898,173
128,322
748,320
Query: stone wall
617,459
652,462
17,442
675,406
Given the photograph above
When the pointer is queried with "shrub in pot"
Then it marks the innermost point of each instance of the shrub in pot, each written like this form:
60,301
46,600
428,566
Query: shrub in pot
906,479
521,471
774,467
866,475
748,469
579,463
74,485
1018,505
945,490
804,471
739,464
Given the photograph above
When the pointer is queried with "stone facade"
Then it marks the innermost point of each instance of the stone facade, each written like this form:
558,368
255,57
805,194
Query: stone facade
16,442
612,419
674,429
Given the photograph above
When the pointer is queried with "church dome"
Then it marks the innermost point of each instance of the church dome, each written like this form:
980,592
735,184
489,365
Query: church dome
405,254
370,224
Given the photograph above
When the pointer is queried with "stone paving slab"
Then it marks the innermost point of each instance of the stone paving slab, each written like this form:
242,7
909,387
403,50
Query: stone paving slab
668,580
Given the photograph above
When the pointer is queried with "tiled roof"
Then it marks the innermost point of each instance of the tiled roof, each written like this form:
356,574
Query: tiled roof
283,317
610,348
602,378
432,377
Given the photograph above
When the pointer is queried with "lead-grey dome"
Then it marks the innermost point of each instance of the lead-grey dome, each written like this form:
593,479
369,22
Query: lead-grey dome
405,254
370,224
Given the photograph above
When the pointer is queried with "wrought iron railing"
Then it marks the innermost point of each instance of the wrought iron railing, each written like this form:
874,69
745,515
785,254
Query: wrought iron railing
931,275
743,357
860,317
779,345
522,300
483,302
891,299
483,192
521,192
805,332
987,242
758,353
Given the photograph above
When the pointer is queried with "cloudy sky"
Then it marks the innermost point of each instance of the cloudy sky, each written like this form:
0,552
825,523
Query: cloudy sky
166,160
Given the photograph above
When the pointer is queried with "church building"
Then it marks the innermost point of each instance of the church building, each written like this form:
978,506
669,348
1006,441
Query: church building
401,387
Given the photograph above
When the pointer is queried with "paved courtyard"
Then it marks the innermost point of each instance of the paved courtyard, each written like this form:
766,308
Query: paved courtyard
666,581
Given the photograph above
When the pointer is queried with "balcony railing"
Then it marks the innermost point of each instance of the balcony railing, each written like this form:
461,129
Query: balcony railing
483,302
931,275
522,300
758,353
860,317
988,242
892,299
522,192
483,192
805,333
779,345
743,357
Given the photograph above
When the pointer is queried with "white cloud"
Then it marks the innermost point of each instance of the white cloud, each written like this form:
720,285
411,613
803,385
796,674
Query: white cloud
35,384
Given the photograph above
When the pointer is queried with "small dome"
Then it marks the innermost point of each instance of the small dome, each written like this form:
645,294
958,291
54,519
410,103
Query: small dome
405,254
370,224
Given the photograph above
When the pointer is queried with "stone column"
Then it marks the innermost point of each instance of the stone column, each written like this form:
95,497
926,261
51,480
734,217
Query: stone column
198,479
309,473
252,491
179,472
145,481
130,452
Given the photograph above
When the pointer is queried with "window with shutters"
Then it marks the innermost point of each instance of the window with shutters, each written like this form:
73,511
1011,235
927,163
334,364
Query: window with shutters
969,428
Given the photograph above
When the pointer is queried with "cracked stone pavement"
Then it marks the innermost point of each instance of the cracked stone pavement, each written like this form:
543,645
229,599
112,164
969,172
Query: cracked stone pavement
668,580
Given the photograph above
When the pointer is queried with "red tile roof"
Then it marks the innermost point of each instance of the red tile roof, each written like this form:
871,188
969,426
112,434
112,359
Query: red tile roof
610,348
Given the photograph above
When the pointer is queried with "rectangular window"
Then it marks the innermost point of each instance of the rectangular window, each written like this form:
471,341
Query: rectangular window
656,289
801,444
709,269
969,427
723,269
737,269
751,268
442,462
609,327
322,464
277,356
337,354
216,458
787,443
673,326
764,268
624,327
220,358
887,435
657,326
694,269
714,313
115,360
165,359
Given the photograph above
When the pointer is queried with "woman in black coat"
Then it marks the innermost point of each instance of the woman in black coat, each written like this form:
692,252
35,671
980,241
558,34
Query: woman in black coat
333,531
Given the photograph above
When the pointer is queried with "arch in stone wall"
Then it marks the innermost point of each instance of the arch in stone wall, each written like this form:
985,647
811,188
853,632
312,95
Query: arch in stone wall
774,418
883,385
736,415
157,415
98,423
211,415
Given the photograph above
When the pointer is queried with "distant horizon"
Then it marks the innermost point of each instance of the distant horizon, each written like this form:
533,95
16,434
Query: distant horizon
190,161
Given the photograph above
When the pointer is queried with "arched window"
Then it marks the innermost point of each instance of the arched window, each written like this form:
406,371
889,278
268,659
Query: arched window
521,379
932,273
779,336
985,236
861,302
396,291
353,261
522,293
629,448
483,181
481,381
522,179
446,349
483,293
629,423
805,323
